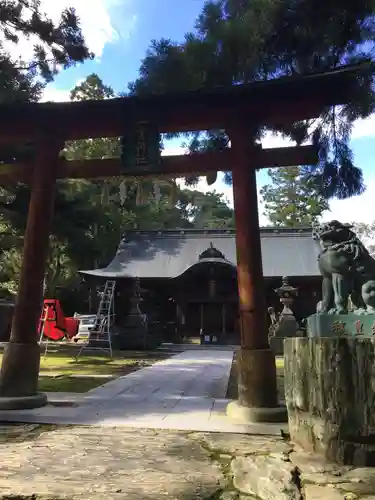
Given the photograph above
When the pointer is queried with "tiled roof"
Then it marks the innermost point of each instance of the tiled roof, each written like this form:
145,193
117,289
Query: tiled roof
168,254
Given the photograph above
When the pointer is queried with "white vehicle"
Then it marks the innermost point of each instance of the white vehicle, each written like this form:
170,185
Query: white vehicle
86,321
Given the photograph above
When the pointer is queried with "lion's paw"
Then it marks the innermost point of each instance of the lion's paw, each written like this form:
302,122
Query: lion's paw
360,311
336,310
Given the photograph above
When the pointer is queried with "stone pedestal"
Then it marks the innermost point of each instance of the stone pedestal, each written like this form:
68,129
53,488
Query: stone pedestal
285,324
19,377
286,327
135,334
330,397
336,325
257,390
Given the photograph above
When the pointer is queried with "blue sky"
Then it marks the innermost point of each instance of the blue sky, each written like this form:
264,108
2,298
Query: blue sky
136,22
120,31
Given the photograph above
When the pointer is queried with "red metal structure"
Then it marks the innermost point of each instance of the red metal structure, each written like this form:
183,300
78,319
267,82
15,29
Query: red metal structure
54,324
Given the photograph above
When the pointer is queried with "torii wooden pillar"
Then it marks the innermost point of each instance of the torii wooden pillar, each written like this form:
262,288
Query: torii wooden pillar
20,366
257,388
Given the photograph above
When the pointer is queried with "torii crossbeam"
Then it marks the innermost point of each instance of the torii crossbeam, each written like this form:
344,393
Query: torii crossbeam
240,110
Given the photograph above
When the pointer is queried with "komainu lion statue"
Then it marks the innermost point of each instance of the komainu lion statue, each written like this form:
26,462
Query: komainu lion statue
347,268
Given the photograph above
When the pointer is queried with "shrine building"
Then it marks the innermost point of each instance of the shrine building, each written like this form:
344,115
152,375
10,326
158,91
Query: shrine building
189,278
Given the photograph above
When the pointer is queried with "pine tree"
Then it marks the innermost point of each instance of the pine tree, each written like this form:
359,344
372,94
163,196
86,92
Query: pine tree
57,46
241,41
292,199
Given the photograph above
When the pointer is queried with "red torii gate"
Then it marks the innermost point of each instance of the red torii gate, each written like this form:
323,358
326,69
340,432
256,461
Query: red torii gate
240,110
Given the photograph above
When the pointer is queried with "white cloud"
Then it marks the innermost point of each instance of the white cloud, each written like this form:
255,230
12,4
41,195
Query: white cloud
271,140
52,94
55,95
174,151
364,128
96,21
355,209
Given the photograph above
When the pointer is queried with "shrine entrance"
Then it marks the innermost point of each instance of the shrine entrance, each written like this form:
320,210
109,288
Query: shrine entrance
207,295
219,323
242,111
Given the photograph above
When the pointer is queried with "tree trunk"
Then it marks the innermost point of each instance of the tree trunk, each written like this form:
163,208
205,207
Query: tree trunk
330,397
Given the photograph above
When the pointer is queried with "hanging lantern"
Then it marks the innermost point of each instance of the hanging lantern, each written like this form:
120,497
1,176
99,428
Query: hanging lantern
139,197
146,195
105,194
123,192
157,192
211,178
173,194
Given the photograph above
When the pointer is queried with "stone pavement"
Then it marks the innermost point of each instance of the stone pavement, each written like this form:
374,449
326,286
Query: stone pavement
107,463
91,463
184,392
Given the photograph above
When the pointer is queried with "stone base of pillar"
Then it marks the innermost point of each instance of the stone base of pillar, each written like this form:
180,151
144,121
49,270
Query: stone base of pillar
23,403
19,377
246,415
257,388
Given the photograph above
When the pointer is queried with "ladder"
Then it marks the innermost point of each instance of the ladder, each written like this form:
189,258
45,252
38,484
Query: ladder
45,314
99,337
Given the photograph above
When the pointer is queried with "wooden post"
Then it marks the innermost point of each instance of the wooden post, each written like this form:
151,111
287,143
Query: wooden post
20,367
257,389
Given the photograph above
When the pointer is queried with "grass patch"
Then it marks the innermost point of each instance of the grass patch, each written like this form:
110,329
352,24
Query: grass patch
91,365
70,384
77,375
64,362
17,433
232,390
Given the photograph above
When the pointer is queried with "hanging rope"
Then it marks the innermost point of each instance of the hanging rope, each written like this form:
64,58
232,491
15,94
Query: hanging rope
144,195
123,192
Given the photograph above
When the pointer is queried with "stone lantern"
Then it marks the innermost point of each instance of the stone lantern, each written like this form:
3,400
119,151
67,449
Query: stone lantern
285,325
287,294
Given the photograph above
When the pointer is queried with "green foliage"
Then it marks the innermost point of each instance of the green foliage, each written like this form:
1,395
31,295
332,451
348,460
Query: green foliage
292,199
214,140
56,45
92,88
366,233
240,41
89,218
209,210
